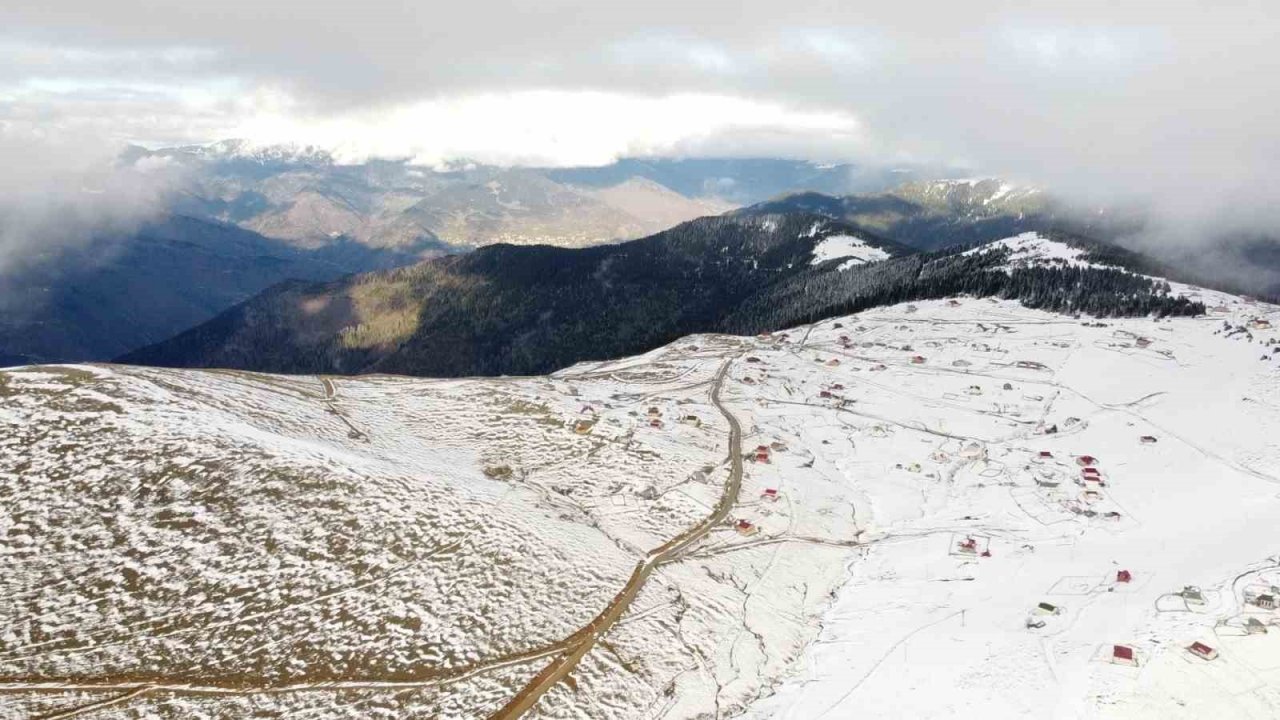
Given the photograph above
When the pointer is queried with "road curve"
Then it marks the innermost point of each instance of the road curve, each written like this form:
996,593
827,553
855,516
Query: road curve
585,639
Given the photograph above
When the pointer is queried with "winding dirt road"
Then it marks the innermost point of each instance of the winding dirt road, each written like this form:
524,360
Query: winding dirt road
585,639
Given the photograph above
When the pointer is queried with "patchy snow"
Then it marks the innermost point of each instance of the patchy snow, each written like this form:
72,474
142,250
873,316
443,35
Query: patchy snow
246,533
1030,249
846,246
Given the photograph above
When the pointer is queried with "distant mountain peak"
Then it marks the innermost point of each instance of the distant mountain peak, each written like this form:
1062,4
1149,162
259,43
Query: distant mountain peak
241,149
983,191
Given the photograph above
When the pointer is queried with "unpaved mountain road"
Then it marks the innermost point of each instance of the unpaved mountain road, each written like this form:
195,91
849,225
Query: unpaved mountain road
585,639
566,653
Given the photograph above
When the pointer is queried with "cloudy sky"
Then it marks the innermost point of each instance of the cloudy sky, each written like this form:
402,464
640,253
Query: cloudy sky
1172,101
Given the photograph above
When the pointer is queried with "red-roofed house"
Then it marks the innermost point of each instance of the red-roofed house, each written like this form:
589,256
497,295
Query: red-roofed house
1202,651
1123,654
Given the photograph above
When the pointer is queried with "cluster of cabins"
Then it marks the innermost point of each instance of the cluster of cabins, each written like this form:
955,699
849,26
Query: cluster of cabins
653,418
762,454
1264,598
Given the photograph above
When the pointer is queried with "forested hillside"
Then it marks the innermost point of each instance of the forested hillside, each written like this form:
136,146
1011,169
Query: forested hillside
530,309
119,291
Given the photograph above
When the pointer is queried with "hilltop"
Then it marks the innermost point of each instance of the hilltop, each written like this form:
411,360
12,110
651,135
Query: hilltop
904,485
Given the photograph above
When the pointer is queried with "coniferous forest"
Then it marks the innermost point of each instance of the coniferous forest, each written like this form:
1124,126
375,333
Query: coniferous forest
520,310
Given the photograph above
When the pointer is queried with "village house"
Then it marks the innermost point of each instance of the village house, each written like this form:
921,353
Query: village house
1086,460
1202,651
1124,576
655,412
583,427
770,494
693,420
1123,655
762,453
744,527
917,360
1147,440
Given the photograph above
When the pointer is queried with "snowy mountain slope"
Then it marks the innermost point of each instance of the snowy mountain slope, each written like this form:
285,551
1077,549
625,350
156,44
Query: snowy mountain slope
856,249
1031,249
948,449
431,546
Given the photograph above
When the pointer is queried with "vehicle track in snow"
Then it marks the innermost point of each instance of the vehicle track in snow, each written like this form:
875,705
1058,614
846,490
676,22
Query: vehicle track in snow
585,639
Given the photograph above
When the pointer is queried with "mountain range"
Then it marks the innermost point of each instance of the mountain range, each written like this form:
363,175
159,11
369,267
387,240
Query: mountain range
306,197
244,219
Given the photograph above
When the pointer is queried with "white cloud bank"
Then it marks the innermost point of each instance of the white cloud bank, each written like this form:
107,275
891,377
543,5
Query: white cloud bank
540,127
1169,104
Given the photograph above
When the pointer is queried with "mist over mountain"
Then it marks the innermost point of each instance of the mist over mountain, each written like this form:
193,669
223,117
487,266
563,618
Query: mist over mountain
934,214
115,291
303,195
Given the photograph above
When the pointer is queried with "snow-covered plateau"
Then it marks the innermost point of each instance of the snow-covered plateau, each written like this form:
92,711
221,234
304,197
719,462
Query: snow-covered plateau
951,509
